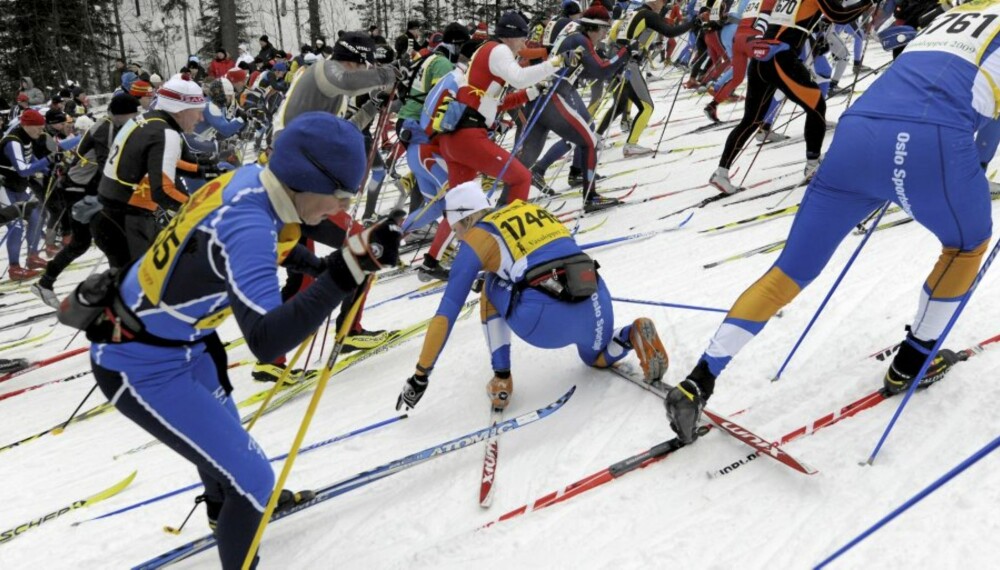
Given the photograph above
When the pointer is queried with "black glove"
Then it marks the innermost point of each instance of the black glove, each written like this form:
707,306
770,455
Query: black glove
365,253
413,390
301,260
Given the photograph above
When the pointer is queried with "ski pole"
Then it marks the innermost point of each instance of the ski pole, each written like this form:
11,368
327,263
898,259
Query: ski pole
304,426
937,484
310,340
933,352
666,122
671,305
536,112
829,293
62,428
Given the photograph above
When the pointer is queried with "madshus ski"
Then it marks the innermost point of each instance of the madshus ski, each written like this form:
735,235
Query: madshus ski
364,478
863,403
12,533
720,421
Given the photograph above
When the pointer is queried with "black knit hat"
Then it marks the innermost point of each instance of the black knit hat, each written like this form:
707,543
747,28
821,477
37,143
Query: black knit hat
355,46
455,34
123,104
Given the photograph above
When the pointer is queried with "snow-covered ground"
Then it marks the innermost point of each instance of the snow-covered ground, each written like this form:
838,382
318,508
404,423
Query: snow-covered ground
669,515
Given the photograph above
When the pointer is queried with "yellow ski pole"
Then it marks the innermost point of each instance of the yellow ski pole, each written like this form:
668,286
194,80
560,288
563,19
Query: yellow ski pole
281,381
304,427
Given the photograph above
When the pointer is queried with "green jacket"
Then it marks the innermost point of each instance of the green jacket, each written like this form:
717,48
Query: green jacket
431,70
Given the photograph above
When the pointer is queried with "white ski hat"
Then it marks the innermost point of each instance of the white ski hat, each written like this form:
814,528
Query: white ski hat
464,200
83,123
179,94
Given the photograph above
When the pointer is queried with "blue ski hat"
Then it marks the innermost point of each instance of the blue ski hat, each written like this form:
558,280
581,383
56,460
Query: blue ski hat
128,78
320,153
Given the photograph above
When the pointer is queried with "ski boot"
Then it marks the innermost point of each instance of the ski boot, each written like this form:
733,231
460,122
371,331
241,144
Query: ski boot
36,261
431,269
44,292
908,361
500,388
711,111
596,203
767,135
538,181
365,340
653,357
685,402
18,273
270,372
812,165
633,150
720,179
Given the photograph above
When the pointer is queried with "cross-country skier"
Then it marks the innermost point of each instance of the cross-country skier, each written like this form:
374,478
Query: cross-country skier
159,359
538,284
468,149
641,28
912,139
789,24
22,172
567,115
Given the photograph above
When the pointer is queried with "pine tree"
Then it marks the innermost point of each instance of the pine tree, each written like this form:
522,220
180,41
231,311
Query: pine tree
54,42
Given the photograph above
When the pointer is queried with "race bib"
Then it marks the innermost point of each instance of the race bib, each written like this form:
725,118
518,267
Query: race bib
785,12
752,9
965,31
526,227
157,264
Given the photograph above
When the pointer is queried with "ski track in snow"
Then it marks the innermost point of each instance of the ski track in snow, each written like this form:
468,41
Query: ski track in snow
669,515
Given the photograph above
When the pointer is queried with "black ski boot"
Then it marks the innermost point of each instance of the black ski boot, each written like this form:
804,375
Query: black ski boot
431,269
685,402
908,361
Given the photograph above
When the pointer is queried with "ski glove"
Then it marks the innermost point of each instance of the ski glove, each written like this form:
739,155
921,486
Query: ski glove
365,253
413,390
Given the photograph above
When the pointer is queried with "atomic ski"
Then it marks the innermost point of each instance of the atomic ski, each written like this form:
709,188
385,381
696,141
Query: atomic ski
364,478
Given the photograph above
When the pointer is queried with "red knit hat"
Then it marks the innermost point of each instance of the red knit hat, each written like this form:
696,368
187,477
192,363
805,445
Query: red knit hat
32,118
596,15
22,96
140,89
236,75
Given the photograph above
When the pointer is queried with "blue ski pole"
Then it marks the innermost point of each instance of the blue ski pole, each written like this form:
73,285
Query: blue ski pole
933,352
671,305
955,471
532,119
829,294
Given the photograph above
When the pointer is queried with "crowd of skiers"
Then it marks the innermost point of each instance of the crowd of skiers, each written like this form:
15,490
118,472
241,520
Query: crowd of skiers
282,143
